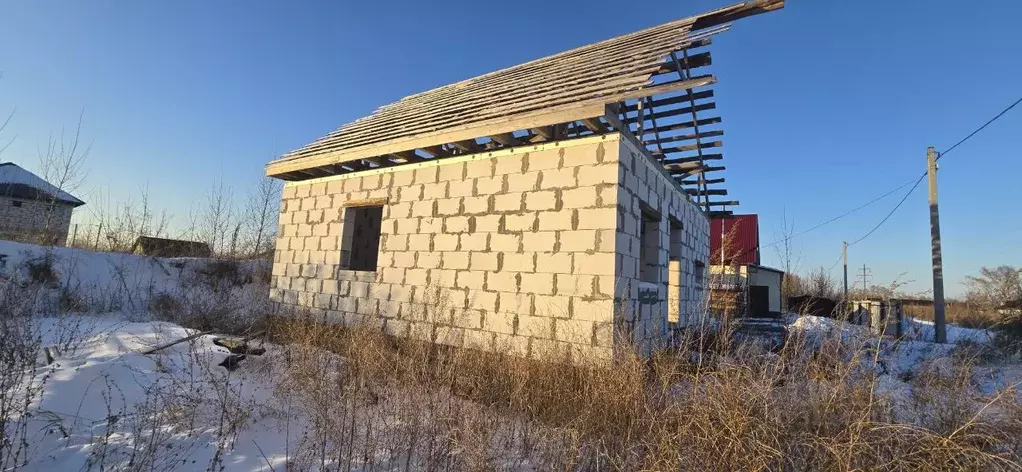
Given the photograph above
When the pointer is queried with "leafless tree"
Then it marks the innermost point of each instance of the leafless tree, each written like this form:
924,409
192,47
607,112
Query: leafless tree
261,215
994,286
819,284
62,165
790,257
4,146
3,126
116,227
216,223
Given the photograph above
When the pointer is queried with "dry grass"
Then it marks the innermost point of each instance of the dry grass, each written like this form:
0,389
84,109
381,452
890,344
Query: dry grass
959,313
402,405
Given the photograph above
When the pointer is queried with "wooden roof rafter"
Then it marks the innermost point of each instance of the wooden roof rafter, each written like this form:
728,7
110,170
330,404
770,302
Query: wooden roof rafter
644,84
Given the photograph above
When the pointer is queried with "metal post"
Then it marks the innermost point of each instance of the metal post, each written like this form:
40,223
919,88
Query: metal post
939,323
844,258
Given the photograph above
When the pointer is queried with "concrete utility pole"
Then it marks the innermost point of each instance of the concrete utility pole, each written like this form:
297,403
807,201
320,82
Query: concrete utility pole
939,323
844,257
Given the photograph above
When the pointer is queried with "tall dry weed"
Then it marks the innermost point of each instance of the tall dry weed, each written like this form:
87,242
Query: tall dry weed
814,405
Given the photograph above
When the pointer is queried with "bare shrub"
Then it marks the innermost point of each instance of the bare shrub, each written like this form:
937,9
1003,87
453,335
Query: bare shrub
165,305
819,284
71,301
224,296
19,352
222,274
40,270
23,365
116,226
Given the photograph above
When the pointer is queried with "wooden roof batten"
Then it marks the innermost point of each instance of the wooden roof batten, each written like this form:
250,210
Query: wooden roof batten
641,84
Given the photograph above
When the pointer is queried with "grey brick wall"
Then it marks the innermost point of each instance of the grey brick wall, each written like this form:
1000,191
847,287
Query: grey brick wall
30,219
526,249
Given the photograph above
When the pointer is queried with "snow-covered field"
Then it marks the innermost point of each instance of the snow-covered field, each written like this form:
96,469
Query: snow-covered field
106,405
902,360
103,404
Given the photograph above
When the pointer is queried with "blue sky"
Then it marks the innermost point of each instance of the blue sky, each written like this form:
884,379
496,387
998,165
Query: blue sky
826,105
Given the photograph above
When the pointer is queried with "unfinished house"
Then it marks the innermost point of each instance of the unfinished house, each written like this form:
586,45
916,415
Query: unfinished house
556,206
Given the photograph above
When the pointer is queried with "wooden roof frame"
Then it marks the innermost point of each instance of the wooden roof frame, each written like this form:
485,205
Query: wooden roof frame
641,84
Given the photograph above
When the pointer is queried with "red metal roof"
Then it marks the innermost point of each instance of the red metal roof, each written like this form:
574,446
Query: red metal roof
742,235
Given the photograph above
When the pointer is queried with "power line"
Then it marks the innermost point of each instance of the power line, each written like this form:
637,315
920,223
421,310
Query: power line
825,223
881,223
952,148
903,199
849,212
838,261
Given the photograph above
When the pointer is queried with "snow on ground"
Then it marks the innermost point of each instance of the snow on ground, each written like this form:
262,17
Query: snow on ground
899,361
106,282
108,404
923,330
103,403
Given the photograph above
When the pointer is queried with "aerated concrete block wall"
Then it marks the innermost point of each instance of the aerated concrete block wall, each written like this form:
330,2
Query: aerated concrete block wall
525,250
677,240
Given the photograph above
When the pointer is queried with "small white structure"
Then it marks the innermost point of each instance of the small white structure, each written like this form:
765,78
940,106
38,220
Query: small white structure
884,317
748,290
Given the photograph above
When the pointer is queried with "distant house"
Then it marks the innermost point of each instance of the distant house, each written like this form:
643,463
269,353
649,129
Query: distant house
739,285
814,306
32,209
164,247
